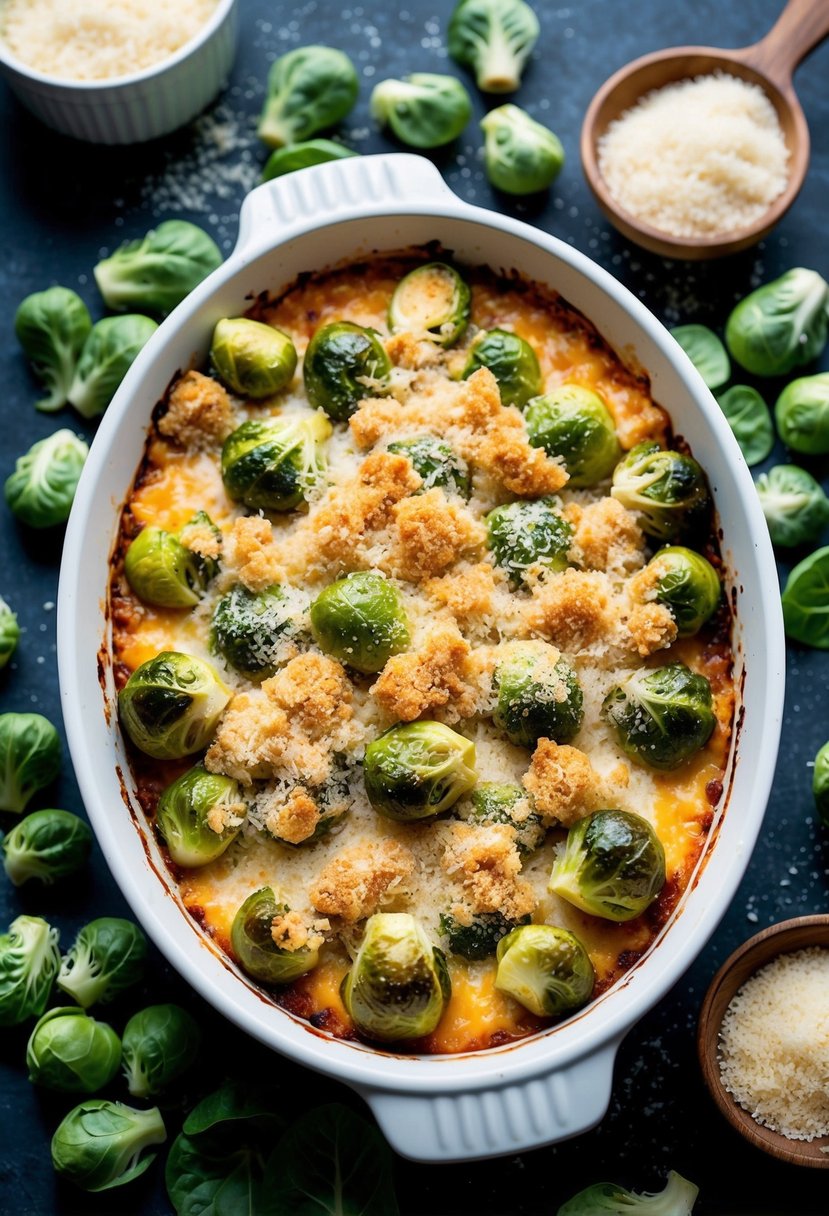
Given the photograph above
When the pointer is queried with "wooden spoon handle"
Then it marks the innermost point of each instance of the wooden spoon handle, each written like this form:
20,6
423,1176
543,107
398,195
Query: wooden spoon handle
799,28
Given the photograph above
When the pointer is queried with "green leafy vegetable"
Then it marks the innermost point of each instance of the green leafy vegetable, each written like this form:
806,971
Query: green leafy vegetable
748,416
343,364
361,620
512,361
608,1199
546,969
29,962
253,359
706,352
163,571
29,758
254,945
159,1044
72,1052
155,273
794,504
99,1144
539,696
309,89
270,463
687,584
479,939
108,353
42,487
612,865
52,327
171,704
806,601
199,815
302,156
780,326
9,632
495,39
667,491
107,956
522,156
662,715
493,802
820,784
46,845
431,301
418,769
523,535
802,415
424,110
249,628
573,423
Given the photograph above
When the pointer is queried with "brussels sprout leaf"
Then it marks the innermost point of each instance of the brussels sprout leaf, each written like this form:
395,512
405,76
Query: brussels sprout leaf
748,416
706,352
806,601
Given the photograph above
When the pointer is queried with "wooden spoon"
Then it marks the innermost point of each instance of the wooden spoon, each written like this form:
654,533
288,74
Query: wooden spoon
769,63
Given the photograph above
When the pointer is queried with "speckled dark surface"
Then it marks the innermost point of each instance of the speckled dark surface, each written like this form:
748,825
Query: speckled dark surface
63,204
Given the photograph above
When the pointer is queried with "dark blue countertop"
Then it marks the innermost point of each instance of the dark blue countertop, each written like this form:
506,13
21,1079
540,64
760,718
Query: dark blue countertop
61,206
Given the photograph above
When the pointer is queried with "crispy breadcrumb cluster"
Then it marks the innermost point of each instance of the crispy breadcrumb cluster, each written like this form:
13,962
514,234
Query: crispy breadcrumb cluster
199,412
435,682
353,885
562,783
487,864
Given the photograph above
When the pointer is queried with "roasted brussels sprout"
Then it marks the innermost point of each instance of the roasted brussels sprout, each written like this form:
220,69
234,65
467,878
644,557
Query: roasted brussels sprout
42,487
399,984
802,415
612,865
525,534
309,89
662,716
687,584
512,362
99,1144
70,1051
199,815
780,326
343,364
820,784
495,39
480,937
254,947
608,1199
521,155
46,845
251,358
512,805
270,464
164,572
29,962
805,601
424,110
52,327
9,632
546,969
250,628
434,461
794,504
706,352
155,273
301,156
159,1045
108,354
539,696
417,770
666,490
171,704
107,956
574,424
29,758
361,621
431,301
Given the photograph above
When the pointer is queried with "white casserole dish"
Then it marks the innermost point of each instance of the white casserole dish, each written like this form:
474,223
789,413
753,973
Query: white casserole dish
556,1084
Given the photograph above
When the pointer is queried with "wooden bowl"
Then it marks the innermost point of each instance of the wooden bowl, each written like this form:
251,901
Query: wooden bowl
783,938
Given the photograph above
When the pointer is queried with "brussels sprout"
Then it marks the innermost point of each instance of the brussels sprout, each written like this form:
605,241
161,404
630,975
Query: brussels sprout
433,301
46,845
525,534
495,39
301,156
107,956
249,629
361,621
806,601
171,704
29,962
688,585
574,424
309,89
662,715
72,1052
253,359
417,770
512,362
255,949
820,784
435,462
608,1199
666,490
271,463
480,937
155,273
199,815
546,969
706,352
164,572
159,1045
802,415
52,327
42,487
612,865
780,326
510,804
794,504
29,758
9,632
108,353
343,364
521,155
399,984
99,1144
424,110
747,414
539,697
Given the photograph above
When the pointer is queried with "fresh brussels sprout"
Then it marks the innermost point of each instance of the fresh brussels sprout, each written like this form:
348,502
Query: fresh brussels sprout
361,621
301,156
253,359
806,601
199,815
108,353
802,415
309,89
495,39
107,956
748,416
9,632
480,937
159,1045
688,585
612,865
29,758
546,969
164,572
666,490
399,984
435,462
512,362
662,715
29,962
42,487
820,784
155,273
512,805
608,1199
780,326
525,534
343,364
417,770
433,301
538,697
46,845
249,628
52,327
521,155
256,952
574,424
794,504
424,110
706,352
99,1144
70,1051
171,704
271,463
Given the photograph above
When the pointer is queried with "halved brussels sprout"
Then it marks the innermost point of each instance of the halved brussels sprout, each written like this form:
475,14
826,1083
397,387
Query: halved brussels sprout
108,956
435,462
9,632
480,937
309,88
688,585
399,984
546,969
781,325
495,39
612,865
538,697
424,110
252,941
164,572
199,815
29,962
171,704
251,358
431,300
512,805
361,621
69,1051
794,504
417,770
802,415
343,364
522,156
270,464
249,627
511,360
301,156
524,534
662,715
666,490
820,784
574,424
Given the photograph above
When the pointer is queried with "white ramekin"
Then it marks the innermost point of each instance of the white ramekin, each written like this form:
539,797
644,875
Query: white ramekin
557,1083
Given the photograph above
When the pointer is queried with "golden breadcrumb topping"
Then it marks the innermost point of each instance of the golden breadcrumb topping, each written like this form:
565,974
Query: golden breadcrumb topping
571,609
486,862
315,692
650,627
413,352
350,511
563,783
433,681
296,820
290,933
353,884
433,534
467,593
199,413
251,554
203,539
607,536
